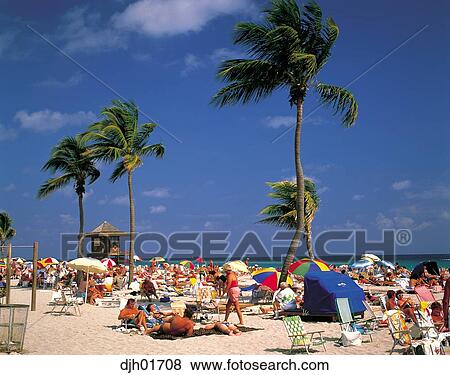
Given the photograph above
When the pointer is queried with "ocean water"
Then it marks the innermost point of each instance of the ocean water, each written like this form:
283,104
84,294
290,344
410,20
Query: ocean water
408,261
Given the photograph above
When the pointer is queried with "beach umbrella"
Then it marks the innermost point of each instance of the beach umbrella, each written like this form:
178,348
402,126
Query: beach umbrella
88,265
431,268
187,264
302,266
238,265
48,261
371,257
269,277
137,258
109,263
19,260
158,259
200,260
362,264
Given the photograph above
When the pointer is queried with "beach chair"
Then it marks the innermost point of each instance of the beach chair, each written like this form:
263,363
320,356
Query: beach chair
348,322
372,319
2,294
65,302
205,304
424,294
402,336
300,337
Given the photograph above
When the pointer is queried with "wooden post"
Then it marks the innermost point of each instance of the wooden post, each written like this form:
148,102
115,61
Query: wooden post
34,283
8,274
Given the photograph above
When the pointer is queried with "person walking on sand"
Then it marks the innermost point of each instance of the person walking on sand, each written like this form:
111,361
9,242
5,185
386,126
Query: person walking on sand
233,291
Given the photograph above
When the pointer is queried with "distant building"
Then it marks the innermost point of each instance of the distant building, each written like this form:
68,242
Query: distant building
105,242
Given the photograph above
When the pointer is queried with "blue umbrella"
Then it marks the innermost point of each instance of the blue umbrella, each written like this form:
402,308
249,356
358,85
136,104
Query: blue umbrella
361,264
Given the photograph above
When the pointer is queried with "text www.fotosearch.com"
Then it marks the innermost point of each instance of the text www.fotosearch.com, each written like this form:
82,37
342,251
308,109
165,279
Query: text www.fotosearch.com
164,365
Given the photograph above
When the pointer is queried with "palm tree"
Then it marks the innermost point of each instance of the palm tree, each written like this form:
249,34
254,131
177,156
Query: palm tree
69,158
287,50
7,232
119,138
284,213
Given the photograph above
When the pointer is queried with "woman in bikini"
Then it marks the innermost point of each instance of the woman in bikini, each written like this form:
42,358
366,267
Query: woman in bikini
233,291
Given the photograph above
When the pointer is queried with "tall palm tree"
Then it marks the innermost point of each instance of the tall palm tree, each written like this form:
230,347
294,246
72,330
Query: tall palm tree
7,232
284,213
119,138
69,158
286,51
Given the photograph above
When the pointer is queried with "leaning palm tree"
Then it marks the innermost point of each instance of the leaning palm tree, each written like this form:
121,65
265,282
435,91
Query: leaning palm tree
284,213
69,159
7,232
286,51
119,138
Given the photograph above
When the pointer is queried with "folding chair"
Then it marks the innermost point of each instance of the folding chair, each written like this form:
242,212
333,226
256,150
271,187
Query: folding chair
65,301
347,321
301,338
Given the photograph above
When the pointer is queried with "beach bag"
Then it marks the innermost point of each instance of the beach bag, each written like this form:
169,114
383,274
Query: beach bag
351,338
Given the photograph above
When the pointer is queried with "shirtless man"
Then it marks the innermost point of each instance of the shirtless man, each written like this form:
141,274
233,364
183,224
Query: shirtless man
445,302
176,326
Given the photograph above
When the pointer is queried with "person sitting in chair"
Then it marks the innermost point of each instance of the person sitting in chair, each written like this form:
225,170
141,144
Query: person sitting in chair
132,314
148,289
284,299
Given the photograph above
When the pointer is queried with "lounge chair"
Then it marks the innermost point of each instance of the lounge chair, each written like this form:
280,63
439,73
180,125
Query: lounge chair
424,294
300,337
205,303
348,321
2,294
402,336
65,300
372,320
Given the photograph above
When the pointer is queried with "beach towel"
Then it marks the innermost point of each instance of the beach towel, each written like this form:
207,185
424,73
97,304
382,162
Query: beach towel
200,332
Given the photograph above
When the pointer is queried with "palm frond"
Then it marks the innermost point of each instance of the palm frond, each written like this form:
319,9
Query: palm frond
341,100
53,184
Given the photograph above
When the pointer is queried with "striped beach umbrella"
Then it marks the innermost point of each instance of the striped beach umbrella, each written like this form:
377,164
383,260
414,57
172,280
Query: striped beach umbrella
305,265
371,257
269,277
187,264
238,265
44,262
109,263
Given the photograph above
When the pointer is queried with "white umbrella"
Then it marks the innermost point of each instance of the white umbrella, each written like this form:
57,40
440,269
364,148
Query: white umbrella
238,265
88,265
361,264
371,257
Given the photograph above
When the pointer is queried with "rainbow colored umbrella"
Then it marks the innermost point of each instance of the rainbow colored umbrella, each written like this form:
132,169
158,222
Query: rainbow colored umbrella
269,277
187,264
109,263
305,265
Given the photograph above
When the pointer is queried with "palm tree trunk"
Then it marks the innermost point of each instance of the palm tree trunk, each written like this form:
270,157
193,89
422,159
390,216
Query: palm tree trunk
308,240
81,228
300,202
132,228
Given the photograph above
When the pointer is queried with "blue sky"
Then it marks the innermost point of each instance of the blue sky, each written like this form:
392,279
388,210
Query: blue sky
390,171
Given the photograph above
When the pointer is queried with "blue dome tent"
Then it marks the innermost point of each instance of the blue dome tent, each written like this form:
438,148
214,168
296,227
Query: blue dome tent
322,289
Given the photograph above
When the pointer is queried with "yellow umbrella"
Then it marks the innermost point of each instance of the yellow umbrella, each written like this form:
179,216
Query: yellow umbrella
88,265
158,259
238,265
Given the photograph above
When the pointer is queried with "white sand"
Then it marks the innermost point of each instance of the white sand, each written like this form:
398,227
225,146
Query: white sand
92,333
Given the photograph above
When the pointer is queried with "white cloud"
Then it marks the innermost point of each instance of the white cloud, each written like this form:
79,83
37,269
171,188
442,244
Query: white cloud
47,120
322,190
158,192
222,54
9,188
158,209
122,200
401,185
400,222
142,56
7,134
279,121
440,191
83,31
191,63
67,219
171,17
72,81
358,197
445,215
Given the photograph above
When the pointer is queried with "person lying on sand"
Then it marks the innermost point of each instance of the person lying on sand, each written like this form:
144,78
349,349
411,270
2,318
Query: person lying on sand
226,328
176,326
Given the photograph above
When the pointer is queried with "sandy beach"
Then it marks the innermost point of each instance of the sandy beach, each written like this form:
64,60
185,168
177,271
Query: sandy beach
93,333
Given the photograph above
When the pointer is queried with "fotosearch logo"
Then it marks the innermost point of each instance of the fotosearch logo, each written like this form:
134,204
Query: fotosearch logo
218,245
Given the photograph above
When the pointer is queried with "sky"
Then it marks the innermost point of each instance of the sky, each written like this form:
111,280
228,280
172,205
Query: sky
62,62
